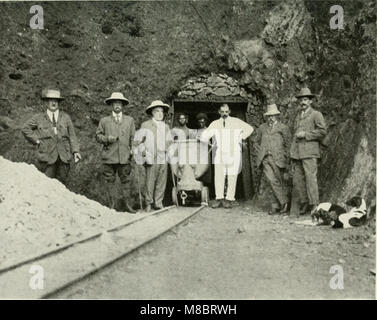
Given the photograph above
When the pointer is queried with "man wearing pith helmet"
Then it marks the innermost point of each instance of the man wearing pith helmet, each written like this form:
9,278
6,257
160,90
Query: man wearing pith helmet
54,135
154,139
273,142
309,130
116,133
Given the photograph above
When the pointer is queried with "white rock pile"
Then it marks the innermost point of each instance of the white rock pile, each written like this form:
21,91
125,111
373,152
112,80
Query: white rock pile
38,213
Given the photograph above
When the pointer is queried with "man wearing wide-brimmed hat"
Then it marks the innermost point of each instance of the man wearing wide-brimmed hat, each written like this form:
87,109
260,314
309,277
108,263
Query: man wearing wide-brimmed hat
54,135
273,142
154,138
116,133
309,130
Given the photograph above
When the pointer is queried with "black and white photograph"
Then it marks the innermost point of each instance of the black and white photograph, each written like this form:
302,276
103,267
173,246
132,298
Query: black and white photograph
188,150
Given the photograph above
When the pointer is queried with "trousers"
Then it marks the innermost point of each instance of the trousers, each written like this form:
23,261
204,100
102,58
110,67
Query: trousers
156,177
58,170
221,173
274,176
305,180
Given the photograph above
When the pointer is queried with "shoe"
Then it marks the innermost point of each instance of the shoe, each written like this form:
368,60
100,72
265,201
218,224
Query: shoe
216,204
234,204
148,208
284,208
129,208
226,204
273,212
159,207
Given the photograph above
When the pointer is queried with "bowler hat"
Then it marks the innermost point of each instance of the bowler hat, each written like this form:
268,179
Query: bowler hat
51,94
272,110
117,96
305,92
155,104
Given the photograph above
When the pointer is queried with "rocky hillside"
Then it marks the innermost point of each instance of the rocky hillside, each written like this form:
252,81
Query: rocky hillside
149,50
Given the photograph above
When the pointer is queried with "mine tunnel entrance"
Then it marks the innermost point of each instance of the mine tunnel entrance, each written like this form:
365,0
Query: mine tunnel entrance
244,189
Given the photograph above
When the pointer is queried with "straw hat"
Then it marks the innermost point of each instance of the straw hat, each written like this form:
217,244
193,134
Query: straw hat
305,92
272,110
157,103
117,96
51,94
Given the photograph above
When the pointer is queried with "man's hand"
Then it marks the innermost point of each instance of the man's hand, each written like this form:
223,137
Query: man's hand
286,176
300,135
77,157
39,142
112,139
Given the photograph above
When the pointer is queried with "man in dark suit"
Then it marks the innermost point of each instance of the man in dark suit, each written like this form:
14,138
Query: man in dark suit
116,133
273,138
54,135
154,139
309,130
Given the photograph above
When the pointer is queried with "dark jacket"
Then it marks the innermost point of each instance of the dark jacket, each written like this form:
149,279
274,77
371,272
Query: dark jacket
275,141
120,150
314,126
63,144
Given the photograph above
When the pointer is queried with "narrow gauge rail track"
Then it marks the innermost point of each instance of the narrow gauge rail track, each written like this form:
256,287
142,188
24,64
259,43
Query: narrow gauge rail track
64,266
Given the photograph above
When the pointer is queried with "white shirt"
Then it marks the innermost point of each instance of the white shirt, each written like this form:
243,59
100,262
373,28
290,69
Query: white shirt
56,115
117,116
228,138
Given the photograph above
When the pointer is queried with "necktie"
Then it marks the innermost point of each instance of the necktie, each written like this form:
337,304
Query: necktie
224,123
54,123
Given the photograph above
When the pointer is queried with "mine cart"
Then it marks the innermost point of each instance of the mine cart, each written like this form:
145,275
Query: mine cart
191,162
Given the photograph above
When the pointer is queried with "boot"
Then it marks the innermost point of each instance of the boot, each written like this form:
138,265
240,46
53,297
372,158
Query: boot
126,198
110,194
216,204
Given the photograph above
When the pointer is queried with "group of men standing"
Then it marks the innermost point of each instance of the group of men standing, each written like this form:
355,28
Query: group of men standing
54,135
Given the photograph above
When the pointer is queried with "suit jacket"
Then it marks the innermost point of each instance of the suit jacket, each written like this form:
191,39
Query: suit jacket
314,126
274,141
153,143
120,150
62,145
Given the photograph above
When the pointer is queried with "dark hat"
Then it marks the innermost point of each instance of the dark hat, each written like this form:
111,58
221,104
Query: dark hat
305,92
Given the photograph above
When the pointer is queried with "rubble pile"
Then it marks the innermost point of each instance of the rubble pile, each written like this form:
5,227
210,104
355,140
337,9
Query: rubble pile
207,86
38,213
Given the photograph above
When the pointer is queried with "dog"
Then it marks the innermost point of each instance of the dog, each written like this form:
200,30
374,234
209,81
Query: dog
339,217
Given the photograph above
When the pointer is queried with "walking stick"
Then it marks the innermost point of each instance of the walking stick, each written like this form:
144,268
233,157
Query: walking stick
139,189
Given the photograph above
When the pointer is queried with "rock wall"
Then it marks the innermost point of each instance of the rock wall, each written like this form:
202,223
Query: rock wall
149,50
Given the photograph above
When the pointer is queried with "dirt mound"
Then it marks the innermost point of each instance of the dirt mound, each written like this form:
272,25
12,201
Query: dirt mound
38,213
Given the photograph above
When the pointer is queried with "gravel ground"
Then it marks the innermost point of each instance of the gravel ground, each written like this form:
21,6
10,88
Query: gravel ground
240,254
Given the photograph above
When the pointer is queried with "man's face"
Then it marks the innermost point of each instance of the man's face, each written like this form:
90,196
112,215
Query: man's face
202,123
182,120
305,103
271,119
158,113
224,112
52,104
117,106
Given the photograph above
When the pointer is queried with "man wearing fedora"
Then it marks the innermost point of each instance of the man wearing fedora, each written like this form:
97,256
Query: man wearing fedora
54,135
116,133
273,141
154,139
309,130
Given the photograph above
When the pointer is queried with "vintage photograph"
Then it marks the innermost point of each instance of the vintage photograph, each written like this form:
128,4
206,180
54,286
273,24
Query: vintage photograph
188,150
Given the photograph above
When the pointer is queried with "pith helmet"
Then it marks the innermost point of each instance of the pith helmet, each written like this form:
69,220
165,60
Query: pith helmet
305,92
51,94
272,110
117,96
157,103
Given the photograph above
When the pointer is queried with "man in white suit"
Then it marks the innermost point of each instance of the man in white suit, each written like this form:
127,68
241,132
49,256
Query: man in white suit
229,134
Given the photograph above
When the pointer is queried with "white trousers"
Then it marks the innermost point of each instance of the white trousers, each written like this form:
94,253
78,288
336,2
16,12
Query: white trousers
221,172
